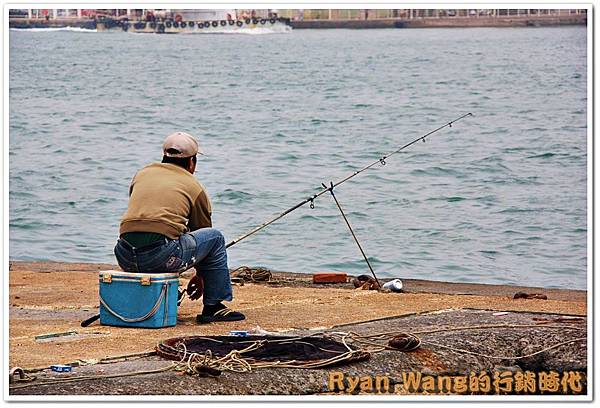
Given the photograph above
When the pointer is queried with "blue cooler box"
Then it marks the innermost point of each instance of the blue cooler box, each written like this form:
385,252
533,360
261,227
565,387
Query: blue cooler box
138,299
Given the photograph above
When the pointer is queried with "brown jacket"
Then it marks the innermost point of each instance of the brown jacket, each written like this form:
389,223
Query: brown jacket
168,200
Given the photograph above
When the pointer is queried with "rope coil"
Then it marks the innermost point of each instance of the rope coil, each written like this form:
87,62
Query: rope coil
238,360
252,274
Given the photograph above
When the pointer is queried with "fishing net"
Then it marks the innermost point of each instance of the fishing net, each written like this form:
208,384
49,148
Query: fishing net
212,354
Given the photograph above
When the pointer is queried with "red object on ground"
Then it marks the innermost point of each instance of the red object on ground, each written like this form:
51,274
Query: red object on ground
329,277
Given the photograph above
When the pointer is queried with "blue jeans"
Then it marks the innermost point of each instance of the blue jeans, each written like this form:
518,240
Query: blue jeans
203,249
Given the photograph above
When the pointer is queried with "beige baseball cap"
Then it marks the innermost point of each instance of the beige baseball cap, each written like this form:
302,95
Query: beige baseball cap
180,144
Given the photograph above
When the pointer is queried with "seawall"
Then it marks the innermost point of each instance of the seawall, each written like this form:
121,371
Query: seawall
429,22
450,22
55,23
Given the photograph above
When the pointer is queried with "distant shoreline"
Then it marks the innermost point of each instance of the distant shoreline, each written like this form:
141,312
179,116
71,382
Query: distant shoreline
441,22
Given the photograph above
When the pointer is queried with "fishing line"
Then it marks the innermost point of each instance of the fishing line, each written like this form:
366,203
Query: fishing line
311,199
332,185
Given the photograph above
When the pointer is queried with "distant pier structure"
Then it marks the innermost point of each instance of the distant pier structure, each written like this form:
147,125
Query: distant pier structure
424,18
313,18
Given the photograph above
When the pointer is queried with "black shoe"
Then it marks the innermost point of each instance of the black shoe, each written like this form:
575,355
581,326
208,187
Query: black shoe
218,313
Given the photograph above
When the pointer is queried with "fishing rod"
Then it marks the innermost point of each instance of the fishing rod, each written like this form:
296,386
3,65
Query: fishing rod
326,189
311,200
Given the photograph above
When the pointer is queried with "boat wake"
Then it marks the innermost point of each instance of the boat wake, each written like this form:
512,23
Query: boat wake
245,31
47,29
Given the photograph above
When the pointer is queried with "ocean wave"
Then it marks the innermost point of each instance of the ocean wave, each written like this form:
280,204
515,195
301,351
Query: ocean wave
547,155
534,238
28,224
450,199
235,196
317,218
356,263
517,210
436,171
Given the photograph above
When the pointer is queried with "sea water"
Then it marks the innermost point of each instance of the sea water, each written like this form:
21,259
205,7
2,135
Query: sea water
498,198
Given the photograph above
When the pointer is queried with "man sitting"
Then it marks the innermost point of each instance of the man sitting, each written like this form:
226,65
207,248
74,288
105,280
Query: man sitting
167,228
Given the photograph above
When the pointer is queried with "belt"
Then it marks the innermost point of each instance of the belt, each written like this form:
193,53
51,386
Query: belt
144,248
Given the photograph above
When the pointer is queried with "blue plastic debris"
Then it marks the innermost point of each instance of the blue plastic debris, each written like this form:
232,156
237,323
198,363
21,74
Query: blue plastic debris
61,368
239,333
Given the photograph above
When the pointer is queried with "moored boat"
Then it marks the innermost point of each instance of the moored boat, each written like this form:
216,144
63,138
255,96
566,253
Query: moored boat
169,26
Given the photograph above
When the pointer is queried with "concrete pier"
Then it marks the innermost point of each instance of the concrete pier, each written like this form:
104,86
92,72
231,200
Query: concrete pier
448,22
485,319
52,23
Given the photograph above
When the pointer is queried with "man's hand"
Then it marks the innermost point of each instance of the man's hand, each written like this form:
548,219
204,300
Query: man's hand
195,287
